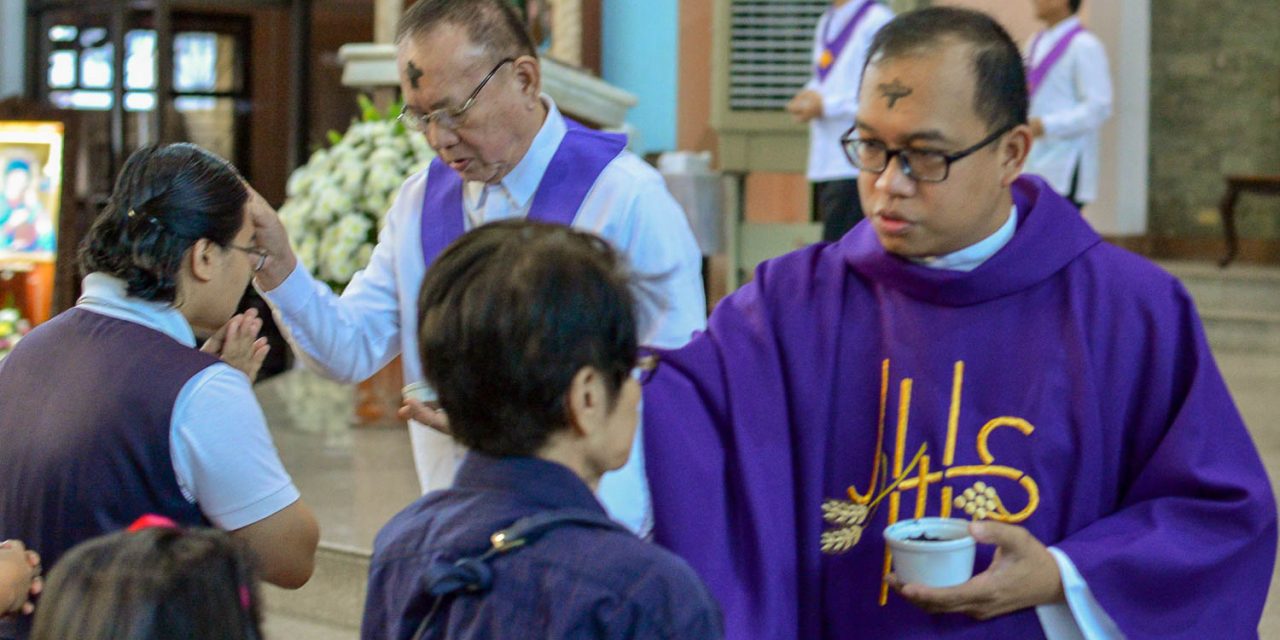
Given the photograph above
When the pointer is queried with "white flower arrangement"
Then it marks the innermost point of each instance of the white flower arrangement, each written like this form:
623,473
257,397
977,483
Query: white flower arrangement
337,201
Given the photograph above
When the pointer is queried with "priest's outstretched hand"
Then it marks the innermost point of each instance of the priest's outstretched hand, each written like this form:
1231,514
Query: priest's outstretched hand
1022,574
270,235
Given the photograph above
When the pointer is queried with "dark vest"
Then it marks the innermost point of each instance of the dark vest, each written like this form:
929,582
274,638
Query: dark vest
85,407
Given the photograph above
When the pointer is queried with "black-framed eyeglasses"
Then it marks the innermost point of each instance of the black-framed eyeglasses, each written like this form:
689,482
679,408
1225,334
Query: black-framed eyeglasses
646,366
918,164
450,117
254,251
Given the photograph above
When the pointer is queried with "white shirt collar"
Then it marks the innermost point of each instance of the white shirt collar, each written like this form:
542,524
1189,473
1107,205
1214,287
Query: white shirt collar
106,295
1053,34
972,256
847,10
522,181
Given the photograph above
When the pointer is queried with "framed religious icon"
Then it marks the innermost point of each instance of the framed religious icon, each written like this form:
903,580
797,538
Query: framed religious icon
31,179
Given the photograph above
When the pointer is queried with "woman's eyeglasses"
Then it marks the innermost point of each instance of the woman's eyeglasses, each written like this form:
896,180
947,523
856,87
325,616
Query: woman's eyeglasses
254,251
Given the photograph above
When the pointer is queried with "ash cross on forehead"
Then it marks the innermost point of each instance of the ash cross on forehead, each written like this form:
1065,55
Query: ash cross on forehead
894,91
413,73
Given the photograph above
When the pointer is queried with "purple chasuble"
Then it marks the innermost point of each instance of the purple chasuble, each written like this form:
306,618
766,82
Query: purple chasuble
1036,74
577,163
831,49
1068,376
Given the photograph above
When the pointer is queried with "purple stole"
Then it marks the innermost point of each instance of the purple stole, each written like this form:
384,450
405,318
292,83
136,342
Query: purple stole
831,49
1036,74
577,163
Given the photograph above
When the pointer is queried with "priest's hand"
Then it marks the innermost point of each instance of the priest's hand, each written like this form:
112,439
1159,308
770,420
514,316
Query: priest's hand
428,413
1022,574
269,234
238,344
19,578
806,106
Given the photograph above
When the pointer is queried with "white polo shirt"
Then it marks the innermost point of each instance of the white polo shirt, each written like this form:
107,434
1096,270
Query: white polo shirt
1073,102
839,91
223,455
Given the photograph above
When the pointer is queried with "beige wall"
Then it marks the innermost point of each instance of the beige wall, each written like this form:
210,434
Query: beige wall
693,97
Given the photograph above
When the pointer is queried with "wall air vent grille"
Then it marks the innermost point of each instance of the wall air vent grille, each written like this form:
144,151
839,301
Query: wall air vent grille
770,49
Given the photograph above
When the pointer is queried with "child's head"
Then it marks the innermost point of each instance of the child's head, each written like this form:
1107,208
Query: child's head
152,584
528,334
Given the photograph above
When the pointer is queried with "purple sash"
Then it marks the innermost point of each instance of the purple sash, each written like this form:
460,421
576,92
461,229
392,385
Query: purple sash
1036,74
573,170
831,49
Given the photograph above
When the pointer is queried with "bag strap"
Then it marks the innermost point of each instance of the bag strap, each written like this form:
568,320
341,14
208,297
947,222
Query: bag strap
474,575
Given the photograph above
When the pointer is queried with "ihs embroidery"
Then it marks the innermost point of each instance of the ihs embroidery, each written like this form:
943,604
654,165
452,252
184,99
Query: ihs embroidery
979,500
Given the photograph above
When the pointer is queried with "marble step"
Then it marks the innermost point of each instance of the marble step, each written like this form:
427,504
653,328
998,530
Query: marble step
1239,305
331,604
1251,288
1242,330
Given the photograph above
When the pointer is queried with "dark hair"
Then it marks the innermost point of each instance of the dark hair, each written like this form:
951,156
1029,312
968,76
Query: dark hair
493,24
1075,6
1000,83
155,584
166,198
508,314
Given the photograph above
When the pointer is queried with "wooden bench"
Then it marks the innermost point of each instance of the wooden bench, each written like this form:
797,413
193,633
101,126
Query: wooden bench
1236,185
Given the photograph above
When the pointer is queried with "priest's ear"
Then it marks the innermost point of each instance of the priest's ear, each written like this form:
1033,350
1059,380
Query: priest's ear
1014,147
529,76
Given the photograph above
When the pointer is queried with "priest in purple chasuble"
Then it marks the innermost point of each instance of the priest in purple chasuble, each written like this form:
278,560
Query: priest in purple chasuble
974,350
471,80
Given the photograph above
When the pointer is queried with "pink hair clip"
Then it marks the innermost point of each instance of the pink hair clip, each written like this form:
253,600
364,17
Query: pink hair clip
150,520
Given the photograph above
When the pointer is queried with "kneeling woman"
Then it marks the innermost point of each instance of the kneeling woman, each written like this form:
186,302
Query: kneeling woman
108,411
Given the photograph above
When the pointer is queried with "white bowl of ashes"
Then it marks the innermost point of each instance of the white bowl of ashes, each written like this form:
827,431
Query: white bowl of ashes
937,552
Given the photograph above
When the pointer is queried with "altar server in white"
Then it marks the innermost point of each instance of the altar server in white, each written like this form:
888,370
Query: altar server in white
829,103
1070,87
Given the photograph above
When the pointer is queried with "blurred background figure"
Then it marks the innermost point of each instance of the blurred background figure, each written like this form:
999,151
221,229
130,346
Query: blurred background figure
829,103
1070,89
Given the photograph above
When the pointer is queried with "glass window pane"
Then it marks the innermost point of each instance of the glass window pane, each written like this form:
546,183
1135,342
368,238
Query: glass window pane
93,36
195,61
63,33
138,101
140,60
208,122
91,100
62,69
95,67
194,103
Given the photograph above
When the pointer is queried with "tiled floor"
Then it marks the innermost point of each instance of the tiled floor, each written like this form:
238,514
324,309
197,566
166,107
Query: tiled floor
356,479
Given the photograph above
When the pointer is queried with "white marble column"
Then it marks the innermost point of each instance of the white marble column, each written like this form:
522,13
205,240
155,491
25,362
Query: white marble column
566,31
385,15
1125,30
